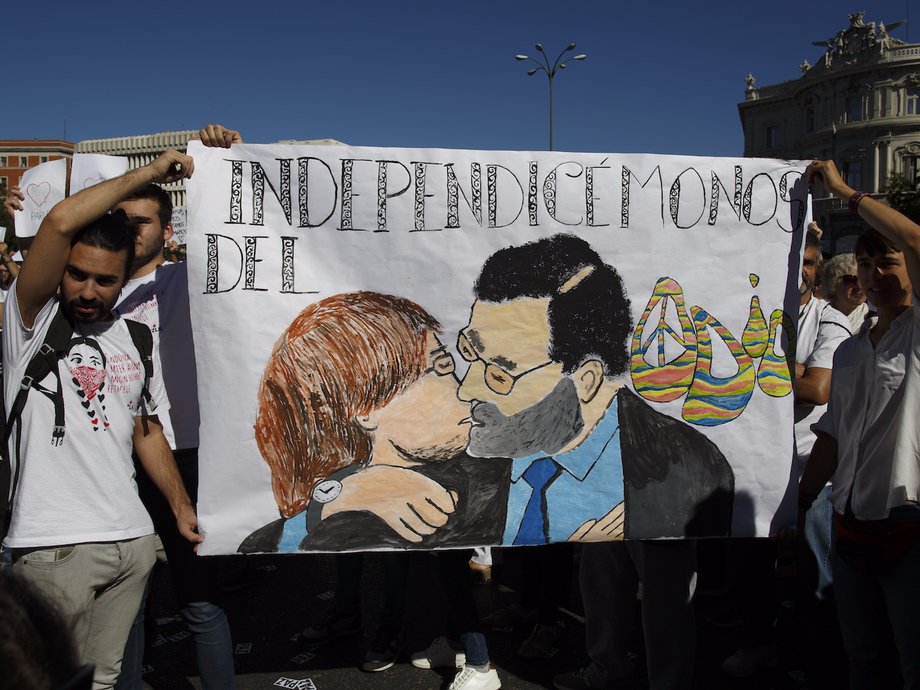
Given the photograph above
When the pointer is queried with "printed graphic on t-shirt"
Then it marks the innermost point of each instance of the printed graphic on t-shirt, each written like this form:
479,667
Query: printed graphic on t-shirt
94,375
87,370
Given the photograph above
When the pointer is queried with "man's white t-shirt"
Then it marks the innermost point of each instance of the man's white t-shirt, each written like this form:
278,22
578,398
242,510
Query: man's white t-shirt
77,487
821,330
160,300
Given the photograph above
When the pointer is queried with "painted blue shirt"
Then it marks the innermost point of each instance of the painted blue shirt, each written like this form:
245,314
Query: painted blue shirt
295,531
589,486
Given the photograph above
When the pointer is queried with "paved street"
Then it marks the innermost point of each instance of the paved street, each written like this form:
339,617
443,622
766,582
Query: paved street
267,615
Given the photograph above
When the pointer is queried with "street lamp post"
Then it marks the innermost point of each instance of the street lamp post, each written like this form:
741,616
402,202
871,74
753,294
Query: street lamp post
550,72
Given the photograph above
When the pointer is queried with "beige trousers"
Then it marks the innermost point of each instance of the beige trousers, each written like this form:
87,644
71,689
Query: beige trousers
99,587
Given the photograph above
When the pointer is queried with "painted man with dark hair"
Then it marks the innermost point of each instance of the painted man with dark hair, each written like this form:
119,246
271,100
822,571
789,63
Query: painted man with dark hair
547,346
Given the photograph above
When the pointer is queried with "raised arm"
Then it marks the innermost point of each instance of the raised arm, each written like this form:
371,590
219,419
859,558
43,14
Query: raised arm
44,266
895,226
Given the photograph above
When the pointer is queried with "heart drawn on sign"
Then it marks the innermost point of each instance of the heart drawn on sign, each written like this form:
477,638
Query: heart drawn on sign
39,193
90,181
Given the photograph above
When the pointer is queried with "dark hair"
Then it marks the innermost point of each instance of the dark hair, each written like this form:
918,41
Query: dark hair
37,650
588,318
89,342
155,192
112,232
874,243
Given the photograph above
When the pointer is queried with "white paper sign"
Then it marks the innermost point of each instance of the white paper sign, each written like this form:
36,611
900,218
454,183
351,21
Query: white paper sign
43,187
178,224
617,325
92,168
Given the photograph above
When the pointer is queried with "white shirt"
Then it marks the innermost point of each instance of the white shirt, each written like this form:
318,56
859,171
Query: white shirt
821,329
80,489
160,300
874,414
857,316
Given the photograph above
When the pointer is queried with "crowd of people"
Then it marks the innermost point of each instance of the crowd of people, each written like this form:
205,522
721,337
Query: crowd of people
79,543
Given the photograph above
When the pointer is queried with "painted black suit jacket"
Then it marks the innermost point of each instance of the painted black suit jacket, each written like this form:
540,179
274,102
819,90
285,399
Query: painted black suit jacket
677,483
481,485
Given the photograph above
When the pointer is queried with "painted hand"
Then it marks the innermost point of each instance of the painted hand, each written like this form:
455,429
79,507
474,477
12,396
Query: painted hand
608,528
413,505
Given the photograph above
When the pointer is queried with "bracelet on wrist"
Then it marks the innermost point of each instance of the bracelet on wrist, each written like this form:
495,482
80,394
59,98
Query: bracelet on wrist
853,201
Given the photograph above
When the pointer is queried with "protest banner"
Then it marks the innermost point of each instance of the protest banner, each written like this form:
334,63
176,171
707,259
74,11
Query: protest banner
89,169
404,348
42,187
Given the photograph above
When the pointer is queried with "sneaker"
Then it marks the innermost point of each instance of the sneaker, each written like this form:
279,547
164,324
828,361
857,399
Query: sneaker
439,654
573,680
541,640
510,616
387,646
746,662
329,625
468,678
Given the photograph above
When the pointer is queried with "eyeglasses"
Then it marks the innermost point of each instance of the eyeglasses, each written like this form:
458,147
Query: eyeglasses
442,364
849,280
496,379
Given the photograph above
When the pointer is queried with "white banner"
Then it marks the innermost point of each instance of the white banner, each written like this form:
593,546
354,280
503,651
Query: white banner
611,357
43,187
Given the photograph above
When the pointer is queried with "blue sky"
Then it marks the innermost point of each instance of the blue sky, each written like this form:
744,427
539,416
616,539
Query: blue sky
661,77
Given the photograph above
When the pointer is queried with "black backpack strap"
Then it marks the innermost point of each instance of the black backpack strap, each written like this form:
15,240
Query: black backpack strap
44,362
143,341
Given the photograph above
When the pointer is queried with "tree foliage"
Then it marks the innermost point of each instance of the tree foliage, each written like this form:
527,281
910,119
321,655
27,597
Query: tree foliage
903,195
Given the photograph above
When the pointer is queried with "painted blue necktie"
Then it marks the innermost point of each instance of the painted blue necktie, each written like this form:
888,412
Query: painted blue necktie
533,529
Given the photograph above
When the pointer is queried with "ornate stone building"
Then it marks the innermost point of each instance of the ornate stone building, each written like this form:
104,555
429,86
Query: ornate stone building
859,105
